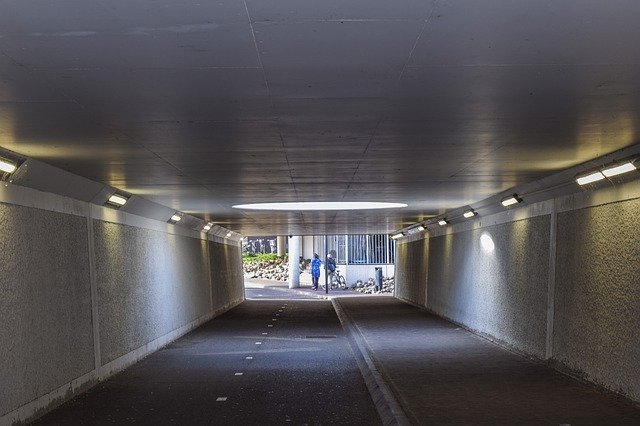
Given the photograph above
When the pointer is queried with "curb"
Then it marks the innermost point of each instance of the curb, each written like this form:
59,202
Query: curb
389,410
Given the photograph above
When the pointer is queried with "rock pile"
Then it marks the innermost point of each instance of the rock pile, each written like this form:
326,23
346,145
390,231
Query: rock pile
369,287
267,269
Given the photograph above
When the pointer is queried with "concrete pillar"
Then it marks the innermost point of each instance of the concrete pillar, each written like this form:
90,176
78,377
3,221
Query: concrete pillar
281,245
295,248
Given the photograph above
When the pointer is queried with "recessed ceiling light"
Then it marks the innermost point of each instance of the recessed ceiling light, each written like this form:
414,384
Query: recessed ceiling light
7,166
175,218
469,213
619,169
442,222
322,205
118,200
229,234
514,199
590,178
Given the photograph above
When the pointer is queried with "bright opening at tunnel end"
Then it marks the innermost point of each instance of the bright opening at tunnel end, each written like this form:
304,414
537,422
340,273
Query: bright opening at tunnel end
320,206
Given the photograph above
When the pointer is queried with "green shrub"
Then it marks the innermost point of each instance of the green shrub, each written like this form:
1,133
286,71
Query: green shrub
261,257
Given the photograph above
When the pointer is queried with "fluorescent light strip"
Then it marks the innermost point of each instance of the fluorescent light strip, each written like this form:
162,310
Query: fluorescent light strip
118,200
176,218
228,234
442,222
207,227
7,167
619,169
469,213
420,228
511,201
398,235
320,206
590,178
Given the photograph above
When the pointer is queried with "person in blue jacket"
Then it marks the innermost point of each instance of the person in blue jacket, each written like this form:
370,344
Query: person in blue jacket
315,271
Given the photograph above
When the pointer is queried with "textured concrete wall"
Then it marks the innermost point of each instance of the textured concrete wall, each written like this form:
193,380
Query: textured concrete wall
46,335
597,304
227,277
149,283
81,298
494,281
411,271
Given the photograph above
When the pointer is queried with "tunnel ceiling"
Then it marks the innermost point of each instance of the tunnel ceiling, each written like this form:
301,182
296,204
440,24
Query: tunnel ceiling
203,105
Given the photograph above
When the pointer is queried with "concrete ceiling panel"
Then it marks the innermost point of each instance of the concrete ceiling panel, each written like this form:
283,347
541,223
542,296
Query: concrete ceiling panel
200,106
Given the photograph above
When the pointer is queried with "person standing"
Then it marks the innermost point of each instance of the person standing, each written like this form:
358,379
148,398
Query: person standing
331,264
315,271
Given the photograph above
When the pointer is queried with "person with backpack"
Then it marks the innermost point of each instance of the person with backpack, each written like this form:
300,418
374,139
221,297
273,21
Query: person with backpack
331,263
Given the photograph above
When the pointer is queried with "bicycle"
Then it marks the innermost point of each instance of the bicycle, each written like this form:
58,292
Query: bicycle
336,281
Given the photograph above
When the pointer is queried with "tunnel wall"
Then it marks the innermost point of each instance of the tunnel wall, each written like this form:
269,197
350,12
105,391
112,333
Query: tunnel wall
560,284
161,283
87,291
227,275
45,303
411,267
499,292
597,303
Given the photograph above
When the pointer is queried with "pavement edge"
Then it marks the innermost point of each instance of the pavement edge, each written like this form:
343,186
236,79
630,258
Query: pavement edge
389,409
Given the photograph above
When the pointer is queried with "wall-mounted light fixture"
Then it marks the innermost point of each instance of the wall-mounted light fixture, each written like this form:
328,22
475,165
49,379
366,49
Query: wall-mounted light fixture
619,169
610,170
589,178
442,222
7,166
509,201
207,227
117,200
415,229
175,218
398,235
469,213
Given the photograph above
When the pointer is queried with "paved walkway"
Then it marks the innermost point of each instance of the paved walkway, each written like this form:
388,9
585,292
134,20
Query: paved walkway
290,361
444,375
264,362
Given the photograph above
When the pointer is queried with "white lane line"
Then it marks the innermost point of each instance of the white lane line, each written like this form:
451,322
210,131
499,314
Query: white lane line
264,334
221,399
238,374
270,325
248,357
258,343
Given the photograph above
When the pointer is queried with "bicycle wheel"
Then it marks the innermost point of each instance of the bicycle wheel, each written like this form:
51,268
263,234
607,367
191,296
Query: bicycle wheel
342,282
334,283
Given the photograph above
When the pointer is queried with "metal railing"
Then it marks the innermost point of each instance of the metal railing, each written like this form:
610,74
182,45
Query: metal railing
361,249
